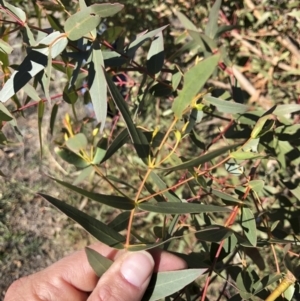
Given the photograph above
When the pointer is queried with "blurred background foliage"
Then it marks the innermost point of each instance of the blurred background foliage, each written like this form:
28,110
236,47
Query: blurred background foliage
262,42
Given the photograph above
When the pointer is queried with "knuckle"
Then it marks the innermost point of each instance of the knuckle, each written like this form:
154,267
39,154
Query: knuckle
112,293
14,291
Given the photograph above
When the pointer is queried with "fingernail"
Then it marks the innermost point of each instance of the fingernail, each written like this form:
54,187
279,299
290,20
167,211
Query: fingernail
137,267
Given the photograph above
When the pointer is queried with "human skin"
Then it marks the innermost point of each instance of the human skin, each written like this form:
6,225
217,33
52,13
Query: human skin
72,278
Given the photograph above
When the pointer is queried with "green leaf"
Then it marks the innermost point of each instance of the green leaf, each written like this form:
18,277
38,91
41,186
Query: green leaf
77,143
97,85
71,157
13,124
166,283
223,29
41,110
93,226
141,39
36,61
18,12
241,155
258,128
5,47
281,110
70,95
86,172
187,24
203,158
169,195
156,55
249,225
81,23
206,44
225,106
266,281
227,198
214,233
137,137
244,284
4,113
256,185
53,117
194,80
176,79
293,188
118,142
31,92
114,59
288,132
289,293
105,10
211,27
100,151
120,222
251,145
114,201
99,263
181,208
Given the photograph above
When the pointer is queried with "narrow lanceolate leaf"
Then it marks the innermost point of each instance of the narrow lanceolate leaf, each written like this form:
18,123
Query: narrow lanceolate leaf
53,117
241,155
99,263
77,142
281,110
114,201
194,81
118,142
105,10
97,85
141,39
214,233
156,56
120,222
41,110
86,172
203,158
185,21
181,208
18,12
93,226
227,198
259,126
249,225
5,114
166,283
263,283
212,25
137,137
31,92
5,47
34,62
169,195
81,23
71,157
88,18
225,106
100,151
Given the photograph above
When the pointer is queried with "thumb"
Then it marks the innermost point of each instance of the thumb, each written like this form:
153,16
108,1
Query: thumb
126,279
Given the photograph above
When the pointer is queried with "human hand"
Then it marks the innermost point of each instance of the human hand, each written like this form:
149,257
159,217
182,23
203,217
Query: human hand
73,279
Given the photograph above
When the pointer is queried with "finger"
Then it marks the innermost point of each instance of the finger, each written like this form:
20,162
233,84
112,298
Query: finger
165,261
29,288
126,279
72,275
